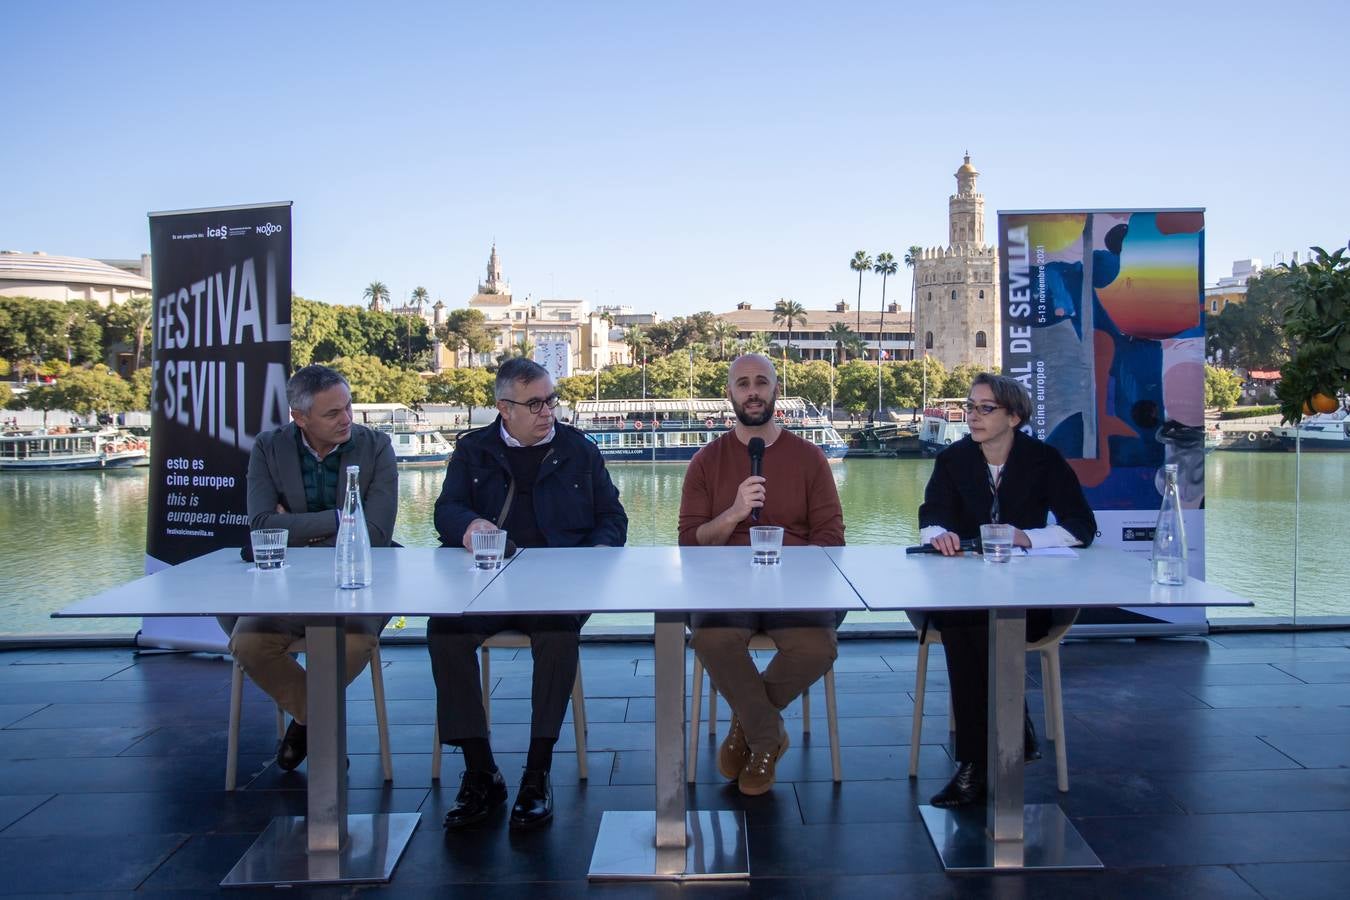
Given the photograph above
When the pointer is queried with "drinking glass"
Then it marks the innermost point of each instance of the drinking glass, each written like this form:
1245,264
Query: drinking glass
766,544
269,548
488,548
996,541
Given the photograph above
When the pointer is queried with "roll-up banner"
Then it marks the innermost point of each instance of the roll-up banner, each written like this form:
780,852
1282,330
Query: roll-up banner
222,353
1103,320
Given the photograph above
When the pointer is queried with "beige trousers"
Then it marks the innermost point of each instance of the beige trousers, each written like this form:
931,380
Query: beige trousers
258,644
756,698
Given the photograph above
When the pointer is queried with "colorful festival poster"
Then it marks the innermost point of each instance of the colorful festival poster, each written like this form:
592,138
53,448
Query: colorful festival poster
1103,320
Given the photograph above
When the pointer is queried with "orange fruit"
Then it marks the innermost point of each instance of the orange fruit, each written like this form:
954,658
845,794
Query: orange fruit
1307,408
1324,403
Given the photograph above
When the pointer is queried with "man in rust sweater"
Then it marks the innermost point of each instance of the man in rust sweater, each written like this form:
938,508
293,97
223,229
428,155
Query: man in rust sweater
797,492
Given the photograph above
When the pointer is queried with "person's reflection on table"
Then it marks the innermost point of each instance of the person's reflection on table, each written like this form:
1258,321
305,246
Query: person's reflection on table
997,473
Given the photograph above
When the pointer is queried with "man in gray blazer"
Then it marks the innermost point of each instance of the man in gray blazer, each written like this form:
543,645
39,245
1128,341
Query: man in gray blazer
296,480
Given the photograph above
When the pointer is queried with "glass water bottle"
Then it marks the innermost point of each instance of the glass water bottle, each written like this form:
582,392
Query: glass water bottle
352,564
1169,538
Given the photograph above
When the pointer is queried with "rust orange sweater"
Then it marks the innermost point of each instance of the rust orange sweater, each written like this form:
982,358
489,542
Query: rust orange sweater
799,491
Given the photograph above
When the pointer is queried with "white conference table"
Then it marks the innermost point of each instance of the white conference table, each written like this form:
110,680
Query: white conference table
1013,835
327,845
671,842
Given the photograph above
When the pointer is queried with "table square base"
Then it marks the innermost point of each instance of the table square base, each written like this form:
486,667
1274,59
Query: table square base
1049,841
280,855
625,848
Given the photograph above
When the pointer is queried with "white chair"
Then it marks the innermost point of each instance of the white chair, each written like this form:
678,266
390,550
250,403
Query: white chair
1060,622
758,641
236,702
515,640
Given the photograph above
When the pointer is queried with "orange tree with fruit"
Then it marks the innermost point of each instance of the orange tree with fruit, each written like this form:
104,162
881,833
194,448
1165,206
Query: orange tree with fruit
1317,324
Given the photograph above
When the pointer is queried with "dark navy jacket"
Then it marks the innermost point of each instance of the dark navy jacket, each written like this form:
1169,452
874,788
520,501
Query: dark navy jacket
1035,481
575,502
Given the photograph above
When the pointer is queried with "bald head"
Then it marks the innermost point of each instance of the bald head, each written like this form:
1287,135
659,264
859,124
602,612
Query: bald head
751,362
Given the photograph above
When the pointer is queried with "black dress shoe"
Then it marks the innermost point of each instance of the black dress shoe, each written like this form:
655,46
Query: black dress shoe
1031,749
293,747
534,800
965,788
479,794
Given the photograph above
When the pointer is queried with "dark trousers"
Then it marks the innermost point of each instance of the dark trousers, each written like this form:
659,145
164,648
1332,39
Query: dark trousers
453,642
965,641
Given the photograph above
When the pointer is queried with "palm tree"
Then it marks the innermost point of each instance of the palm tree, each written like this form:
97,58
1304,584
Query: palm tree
788,311
420,296
885,266
636,340
860,263
377,292
843,337
911,260
724,333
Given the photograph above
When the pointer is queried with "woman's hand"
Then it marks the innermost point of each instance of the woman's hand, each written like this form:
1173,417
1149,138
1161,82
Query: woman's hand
948,543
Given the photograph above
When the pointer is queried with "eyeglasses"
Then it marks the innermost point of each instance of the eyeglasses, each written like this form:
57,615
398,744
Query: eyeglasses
983,409
535,406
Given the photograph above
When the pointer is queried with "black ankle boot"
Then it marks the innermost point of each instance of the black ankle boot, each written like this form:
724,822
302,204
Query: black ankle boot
965,788
1031,749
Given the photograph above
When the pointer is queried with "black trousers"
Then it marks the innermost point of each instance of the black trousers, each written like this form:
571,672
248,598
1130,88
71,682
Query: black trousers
965,641
453,643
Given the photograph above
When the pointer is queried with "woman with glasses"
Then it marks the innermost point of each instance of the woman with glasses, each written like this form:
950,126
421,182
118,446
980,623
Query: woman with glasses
997,474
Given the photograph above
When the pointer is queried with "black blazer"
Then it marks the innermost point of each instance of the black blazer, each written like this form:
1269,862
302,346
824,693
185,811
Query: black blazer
1036,481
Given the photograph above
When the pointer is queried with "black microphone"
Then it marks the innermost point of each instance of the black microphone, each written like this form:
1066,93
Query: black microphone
969,545
756,450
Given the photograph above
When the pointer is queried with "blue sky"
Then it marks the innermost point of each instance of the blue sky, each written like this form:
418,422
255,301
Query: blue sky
667,156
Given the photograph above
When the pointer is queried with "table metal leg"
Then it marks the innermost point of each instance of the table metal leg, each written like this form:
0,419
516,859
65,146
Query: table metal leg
1007,835
327,845
670,843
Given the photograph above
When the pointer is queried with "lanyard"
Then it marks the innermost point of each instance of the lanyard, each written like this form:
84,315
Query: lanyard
993,489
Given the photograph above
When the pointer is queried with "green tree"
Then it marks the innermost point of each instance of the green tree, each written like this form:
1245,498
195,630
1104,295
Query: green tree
32,330
636,340
855,386
844,340
912,256
811,381
377,292
96,389
470,388
1251,334
374,382
312,323
467,329
420,296
860,263
127,323
140,384
1317,321
1223,387
957,382
723,337
885,266
789,311
574,388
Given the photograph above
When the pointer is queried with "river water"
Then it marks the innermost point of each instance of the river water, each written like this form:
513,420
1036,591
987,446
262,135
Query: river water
68,535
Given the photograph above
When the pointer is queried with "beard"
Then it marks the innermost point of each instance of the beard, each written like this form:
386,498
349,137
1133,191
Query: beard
752,421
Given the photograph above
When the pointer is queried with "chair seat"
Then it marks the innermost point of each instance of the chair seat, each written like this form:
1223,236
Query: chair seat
518,640
296,648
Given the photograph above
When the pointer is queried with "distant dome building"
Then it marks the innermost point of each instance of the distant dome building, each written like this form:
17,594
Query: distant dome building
72,277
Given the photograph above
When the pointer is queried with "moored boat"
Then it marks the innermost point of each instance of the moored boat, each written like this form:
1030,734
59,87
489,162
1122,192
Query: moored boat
61,448
416,443
1317,434
943,423
673,430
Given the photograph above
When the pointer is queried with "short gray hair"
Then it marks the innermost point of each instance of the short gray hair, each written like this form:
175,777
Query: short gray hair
307,382
1008,392
520,370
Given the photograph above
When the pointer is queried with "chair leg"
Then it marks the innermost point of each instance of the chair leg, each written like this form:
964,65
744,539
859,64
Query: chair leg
281,723
832,723
712,710
1061,747
436,753
232,740
1047,696
486,666
806,711
916,729
579,724
695,709
381,714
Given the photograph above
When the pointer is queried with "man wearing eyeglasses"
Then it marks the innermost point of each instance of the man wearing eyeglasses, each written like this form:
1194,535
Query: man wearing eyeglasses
546,485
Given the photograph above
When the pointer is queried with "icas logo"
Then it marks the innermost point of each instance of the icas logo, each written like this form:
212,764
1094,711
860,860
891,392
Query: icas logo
222,232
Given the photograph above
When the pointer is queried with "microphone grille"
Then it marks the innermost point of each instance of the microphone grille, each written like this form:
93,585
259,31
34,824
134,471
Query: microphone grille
755,446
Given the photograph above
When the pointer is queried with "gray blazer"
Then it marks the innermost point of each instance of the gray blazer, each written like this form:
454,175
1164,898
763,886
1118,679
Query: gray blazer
274,477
